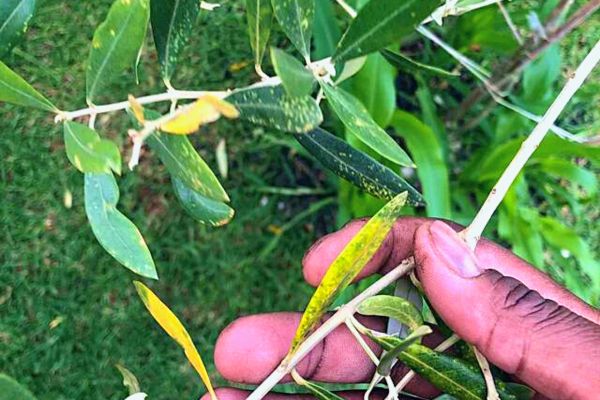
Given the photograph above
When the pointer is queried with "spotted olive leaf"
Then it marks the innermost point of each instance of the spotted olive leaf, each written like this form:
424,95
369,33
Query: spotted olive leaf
14,90
272,107
296,19
408,64
359,122
174,328
14,17
315,389
13,390
260,18
87,152
356,166
296,79
115,232
202,208
172,25
387,361
116,44
347,265
381,23
392,307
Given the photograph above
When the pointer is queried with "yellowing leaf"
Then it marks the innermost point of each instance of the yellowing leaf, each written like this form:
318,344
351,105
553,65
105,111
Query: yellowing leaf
205,110
226,109
171,324
347,265
137,109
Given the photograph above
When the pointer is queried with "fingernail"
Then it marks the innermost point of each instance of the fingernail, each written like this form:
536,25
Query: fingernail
453,251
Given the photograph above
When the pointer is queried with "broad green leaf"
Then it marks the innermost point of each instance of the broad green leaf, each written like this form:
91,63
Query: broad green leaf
272,107
326,32
13,390
115,232
203,111
356,166
260,17
381,23
540,76
392,307
174,328
87,152
116,44
296,79
405,63
351,68
347,265
573,173
387,361
172,25
129,379
201,208
315,389
296,19
14,17
14,90
358,121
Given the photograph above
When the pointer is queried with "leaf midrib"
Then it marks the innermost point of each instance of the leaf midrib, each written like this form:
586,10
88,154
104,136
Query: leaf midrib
11,16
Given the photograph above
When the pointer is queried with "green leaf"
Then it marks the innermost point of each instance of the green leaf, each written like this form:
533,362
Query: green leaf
381,23
87,152
392,307
408,64
14,17
117,234
356,166
13,390
347,265
201,208
271,107
358,121
116,44
296,19
326,32
14,90
387,361
260,17
172,25
296,79
315,389
566,169
540,75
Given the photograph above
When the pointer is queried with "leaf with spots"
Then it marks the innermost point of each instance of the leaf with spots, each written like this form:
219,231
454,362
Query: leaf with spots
14,17
347,265
13,390
260,18
296,79
115,232
116,44
357,167
272,107
381,23
359,122
387,361
14,90
392,307
87,152
296,19
172,25
202,208
174,328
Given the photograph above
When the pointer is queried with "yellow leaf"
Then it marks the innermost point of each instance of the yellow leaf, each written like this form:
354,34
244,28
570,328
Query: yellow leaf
347,265
137,109
171,324
189,121
226,109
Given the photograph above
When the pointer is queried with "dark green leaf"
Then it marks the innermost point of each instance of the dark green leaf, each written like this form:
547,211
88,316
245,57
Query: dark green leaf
271,107
116,43
172,25
521,392
296,79
315,389
326,32
387,361
14,90
201,208
87,152
408,64
14,17
392,307
260,17
296,19
380,23
13,390
115,232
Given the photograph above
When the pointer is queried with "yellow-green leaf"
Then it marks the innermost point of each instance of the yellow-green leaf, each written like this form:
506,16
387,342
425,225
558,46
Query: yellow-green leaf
129,379
392,307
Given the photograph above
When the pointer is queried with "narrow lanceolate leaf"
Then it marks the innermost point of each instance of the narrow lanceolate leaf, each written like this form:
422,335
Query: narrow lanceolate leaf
387,361
14,17
115,232
408,64
260,17
393,307
380,23
13,390
172,24
116,44
87,152
357,120
203,111
201,208
296,19
272,107
357,167
347,266
14,90
315,389
296,79
174,328
129,379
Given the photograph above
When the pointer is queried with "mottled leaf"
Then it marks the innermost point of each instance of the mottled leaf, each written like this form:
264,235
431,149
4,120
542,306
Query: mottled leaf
260,17
387,361
115,232
129,379
87,152
116,44
381,23
14,90
407,64
13,390
14,17
174,328
358,121
356,166
393,307
296,19
315,389
296,79
203,111
272,107
347,265
201,208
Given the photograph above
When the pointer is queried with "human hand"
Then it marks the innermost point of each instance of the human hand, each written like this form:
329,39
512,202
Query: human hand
517,317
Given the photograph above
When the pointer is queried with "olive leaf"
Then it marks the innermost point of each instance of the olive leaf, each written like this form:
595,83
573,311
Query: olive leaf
387,361
296,79
260,17
408,64
14,17
129,379
347,265
202,208
315,389
203,111
296,19
14,90
87,152
13,390
392,307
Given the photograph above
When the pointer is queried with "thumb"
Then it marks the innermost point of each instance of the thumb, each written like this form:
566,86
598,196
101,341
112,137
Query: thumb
549,347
